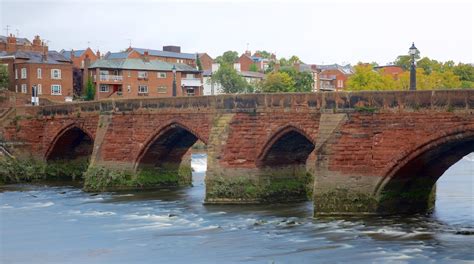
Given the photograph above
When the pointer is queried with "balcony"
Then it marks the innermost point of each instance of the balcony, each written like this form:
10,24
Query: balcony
191,82
109,78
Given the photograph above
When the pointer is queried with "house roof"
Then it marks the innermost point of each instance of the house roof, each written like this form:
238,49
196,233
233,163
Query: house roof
346,69
53,57
116,55
139,64
67,53
21,41
167,54
251,74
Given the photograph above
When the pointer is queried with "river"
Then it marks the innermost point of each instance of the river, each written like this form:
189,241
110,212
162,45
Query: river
62,224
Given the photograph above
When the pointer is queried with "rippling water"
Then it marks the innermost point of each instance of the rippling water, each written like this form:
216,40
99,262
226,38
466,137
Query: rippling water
57,224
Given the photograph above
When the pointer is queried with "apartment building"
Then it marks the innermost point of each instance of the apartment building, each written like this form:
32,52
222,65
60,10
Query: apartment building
139,77
333,77
170,54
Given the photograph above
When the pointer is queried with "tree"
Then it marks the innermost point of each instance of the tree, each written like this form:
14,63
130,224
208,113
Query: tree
304,81
4,80
264,54
404,61
278,82
253,67
198,62
90,90
365,78
229,80
228,57
294,59
464,71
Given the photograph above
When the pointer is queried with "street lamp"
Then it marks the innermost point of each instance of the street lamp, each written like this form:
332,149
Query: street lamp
174,80
413,51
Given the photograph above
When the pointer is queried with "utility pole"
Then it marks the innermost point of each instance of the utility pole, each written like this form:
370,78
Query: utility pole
7,29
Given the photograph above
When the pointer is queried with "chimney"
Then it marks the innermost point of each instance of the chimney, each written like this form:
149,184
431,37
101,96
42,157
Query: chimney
277,66
11,39
37,41
45,54
145,56
248,53
72,54
98,54
170,48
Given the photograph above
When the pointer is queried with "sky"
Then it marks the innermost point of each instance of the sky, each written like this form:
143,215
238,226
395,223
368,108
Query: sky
320,32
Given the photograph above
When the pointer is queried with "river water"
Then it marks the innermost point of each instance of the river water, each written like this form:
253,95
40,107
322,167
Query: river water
62,224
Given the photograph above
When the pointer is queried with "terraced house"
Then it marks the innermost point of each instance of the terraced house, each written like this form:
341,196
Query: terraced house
34,65
138,77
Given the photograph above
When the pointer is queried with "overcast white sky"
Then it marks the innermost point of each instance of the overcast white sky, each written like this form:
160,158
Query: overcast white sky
317,32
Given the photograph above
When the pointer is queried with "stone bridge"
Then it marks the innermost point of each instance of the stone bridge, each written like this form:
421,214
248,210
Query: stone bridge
360,152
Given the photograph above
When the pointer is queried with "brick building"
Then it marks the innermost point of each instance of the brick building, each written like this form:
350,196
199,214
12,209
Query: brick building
34,65
81,60
392,70
170,54
333,77
131,78
206,61
12,44
246,61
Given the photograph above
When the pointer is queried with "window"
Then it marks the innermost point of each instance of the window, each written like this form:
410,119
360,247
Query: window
190,91
24,89
40,89
56,89
104,72
180,61
39,73
161,75
129,74
16,74
16,88
104,88
129,89
82,64
189,76
55,74
162,89
339,83
142,74
23,73
142,89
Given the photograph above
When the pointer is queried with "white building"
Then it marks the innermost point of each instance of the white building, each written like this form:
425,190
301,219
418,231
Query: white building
215,89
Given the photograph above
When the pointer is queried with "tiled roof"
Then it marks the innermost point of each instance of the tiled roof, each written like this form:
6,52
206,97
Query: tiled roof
346,69
116,55
167,54
67,53
21,41
54,57
139,64
252,74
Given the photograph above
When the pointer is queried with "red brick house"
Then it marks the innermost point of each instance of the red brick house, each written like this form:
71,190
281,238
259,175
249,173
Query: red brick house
132,78
333,77
35,65
206,61
12,44
171,54
392,70
81,60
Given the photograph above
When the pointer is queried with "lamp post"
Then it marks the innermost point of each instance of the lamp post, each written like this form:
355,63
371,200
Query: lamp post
413,51
174,80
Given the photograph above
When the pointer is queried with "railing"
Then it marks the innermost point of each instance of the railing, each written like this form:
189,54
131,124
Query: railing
191,82
109,78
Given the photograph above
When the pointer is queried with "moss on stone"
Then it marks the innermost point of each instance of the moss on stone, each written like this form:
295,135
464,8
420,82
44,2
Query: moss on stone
343,201
243,189
105,179
28,170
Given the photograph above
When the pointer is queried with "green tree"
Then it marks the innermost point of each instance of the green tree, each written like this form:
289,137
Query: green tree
228,57
253,67
304,81
229,80
464,71
365,78
4,80
404,61
278,82
264,54
198,62
90,90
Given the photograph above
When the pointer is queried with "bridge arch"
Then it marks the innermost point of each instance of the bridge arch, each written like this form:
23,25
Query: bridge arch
409,185
282,164
162,158
69,152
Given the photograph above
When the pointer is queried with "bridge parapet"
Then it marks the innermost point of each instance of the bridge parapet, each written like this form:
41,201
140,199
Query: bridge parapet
373,101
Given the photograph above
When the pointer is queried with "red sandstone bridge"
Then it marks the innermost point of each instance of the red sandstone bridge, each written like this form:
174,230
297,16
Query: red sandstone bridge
363,152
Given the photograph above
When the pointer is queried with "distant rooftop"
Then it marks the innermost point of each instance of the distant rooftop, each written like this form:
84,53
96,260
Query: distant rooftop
67,53
139,64
168,54
347,69
21,41
53,57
